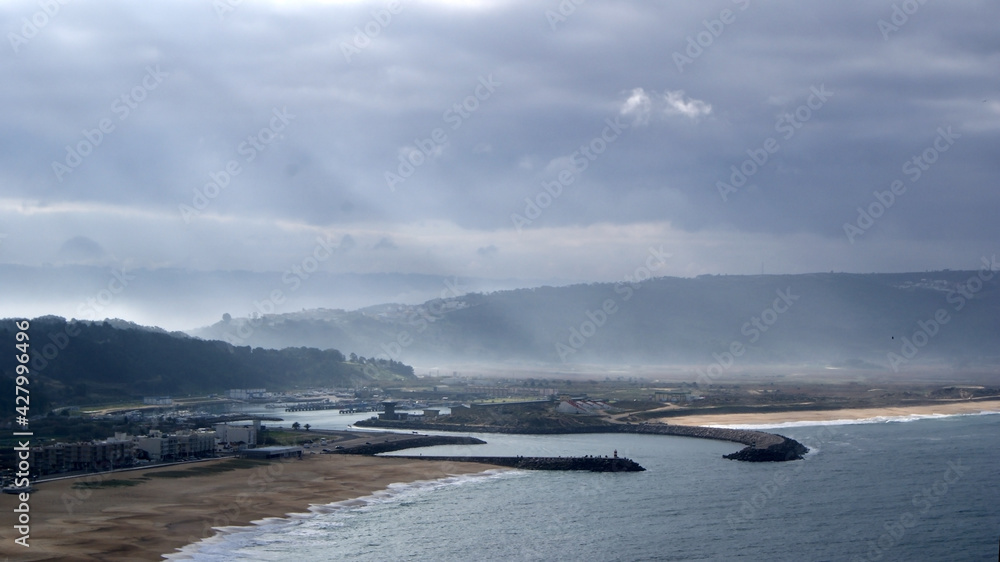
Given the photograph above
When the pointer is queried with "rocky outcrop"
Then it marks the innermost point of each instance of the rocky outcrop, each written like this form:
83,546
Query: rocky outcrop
786,450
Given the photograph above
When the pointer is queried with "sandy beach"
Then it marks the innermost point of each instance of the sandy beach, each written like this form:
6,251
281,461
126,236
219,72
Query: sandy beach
157,515
964,407
137,515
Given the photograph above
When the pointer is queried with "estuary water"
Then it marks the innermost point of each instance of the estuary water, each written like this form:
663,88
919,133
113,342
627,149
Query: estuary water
891,489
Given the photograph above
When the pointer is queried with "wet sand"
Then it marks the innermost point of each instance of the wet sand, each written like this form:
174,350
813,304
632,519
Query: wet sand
158,515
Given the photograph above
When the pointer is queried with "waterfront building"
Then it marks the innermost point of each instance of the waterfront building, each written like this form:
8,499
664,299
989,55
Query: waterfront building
237,434
89,455
389,412
158,447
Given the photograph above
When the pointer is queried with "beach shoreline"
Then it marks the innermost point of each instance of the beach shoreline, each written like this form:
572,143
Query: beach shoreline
137,515
825,416
156,516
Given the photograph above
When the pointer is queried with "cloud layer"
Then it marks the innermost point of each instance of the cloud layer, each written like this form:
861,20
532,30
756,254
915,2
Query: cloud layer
503,138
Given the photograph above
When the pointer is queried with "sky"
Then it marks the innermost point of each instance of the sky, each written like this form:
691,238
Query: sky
501,139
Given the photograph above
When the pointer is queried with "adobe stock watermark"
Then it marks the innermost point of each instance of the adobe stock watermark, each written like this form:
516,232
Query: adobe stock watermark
392,350
413,156
899,17
366,34
579,161
704,39
293,277
752,329
32,26
89,309
787,124
927,329
82,490
225,7
924,501
249,150
770,490
563,11
596,319
913,169
58,341
122,107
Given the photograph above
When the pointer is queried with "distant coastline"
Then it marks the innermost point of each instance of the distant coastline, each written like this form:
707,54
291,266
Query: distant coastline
802,417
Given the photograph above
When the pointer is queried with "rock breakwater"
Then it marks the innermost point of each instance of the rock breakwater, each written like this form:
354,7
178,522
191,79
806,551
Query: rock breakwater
411,443
760,446
592,464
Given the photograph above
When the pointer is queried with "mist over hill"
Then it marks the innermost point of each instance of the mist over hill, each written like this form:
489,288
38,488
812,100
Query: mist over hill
852,320
80,362
177,298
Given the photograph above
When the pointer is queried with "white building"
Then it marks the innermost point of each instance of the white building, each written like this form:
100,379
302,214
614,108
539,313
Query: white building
160,447
235,434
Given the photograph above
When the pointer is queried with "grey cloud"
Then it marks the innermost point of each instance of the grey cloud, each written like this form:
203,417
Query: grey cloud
385,244
225,78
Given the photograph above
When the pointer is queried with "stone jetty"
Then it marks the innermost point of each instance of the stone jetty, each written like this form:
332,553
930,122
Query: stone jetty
592,464
760,446
370,448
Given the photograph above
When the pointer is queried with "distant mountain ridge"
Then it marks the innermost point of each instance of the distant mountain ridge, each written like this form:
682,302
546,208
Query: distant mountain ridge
950,317
180,298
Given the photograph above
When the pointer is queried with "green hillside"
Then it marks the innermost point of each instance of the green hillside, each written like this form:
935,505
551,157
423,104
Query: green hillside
88,362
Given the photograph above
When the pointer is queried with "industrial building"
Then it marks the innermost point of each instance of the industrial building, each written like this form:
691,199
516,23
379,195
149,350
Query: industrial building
275,452
389,412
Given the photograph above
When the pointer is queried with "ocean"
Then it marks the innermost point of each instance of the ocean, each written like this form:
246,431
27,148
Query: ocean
916,488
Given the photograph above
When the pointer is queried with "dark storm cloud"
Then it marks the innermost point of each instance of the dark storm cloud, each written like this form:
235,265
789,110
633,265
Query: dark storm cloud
274,123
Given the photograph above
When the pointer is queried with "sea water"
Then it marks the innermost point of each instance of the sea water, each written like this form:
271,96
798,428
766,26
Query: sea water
889,489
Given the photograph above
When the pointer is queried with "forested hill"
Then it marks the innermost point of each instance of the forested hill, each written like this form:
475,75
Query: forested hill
80,362
823,318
